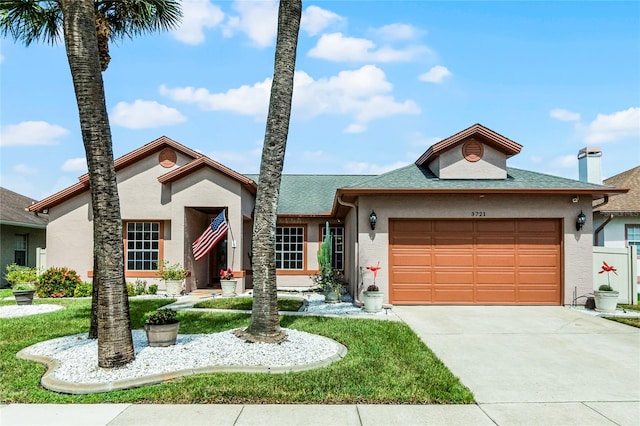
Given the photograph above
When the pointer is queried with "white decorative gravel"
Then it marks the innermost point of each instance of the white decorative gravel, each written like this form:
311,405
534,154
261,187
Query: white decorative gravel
12,311
78,356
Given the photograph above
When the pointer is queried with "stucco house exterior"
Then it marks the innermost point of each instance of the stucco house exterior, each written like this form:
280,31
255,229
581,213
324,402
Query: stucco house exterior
21,232
456,227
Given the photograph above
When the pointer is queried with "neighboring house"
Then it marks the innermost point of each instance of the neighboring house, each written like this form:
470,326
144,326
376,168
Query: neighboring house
616,220
21,231
456,227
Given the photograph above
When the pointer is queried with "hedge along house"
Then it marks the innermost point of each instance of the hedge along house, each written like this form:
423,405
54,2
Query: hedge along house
456,227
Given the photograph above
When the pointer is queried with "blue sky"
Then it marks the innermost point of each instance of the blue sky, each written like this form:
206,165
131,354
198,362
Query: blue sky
377,83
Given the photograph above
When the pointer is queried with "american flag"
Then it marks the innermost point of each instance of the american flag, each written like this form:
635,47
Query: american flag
214,232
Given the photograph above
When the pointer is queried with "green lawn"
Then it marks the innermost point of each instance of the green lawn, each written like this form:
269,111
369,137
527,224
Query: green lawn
246,303
5,292
387,363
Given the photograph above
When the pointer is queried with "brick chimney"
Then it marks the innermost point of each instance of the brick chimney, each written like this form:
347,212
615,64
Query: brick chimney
589,165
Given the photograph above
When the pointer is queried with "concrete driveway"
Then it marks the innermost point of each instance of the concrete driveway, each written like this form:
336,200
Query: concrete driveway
533,365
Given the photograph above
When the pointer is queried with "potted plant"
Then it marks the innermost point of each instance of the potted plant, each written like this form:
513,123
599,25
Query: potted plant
227,283
332,284
173,276
330,280
606,297
372,296
22,280
162,327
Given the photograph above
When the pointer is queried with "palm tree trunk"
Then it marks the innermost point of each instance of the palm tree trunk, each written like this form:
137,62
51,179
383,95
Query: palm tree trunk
265,323
115,344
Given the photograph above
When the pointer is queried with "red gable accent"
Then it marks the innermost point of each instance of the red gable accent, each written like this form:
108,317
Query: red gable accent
203,161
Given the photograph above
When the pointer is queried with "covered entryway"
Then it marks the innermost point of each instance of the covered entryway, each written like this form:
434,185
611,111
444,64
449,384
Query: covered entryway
480,261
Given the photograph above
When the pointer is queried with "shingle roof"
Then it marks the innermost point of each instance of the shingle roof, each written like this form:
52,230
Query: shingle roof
629,202
310,194
12,210
417,177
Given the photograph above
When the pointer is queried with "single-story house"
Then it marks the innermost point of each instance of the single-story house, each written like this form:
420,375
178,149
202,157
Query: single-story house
456,227
21,232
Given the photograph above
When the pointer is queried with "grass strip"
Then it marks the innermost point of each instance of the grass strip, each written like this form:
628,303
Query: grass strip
386,364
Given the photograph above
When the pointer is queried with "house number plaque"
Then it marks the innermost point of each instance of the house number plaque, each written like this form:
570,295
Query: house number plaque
478,214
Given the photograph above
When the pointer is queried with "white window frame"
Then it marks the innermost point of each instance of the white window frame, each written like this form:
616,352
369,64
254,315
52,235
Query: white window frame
145,243
290,248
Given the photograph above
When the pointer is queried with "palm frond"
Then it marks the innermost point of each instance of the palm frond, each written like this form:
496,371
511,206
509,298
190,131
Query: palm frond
31,20
135,17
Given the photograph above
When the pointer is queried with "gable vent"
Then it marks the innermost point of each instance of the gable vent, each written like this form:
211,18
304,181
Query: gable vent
472,150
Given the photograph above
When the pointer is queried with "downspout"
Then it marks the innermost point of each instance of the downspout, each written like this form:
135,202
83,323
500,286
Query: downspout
600,228
354,206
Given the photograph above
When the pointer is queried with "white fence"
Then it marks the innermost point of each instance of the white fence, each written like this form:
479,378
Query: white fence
626,264
41,259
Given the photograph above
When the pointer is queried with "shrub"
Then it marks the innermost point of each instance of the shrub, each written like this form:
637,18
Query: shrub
140,287
161,317
57,282
20,274
83,289
131,291
153,288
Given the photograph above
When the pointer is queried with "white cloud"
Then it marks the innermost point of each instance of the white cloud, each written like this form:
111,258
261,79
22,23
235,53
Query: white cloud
257,19
28,133
196,16
393,32
613,127
339,48
362,94
245,100
240,161
363,168
315,19
435,75
23,169
564,115
78,164
355,128
145,115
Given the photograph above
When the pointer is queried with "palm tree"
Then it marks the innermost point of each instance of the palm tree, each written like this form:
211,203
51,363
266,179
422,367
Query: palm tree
265,323
28,20
115,344
33,20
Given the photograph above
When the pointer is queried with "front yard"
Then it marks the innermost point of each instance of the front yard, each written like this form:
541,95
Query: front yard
386,364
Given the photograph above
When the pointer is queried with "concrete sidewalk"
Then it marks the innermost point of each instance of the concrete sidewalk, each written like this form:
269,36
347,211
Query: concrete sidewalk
594,413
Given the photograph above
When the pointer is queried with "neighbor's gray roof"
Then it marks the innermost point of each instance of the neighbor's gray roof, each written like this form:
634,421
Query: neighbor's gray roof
310,194
416,177
12,210
622,203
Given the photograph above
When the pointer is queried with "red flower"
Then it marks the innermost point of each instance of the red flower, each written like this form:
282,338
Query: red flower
226,275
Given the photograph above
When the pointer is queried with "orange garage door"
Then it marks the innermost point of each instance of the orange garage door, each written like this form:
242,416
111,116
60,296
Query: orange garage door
463,262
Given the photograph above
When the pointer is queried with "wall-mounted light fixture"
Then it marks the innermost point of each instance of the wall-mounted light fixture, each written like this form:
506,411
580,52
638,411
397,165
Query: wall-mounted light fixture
580,221
373,219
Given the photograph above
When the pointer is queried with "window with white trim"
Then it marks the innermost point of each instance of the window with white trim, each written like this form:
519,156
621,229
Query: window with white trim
337,232
633,235
143,246
290,247
20,251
